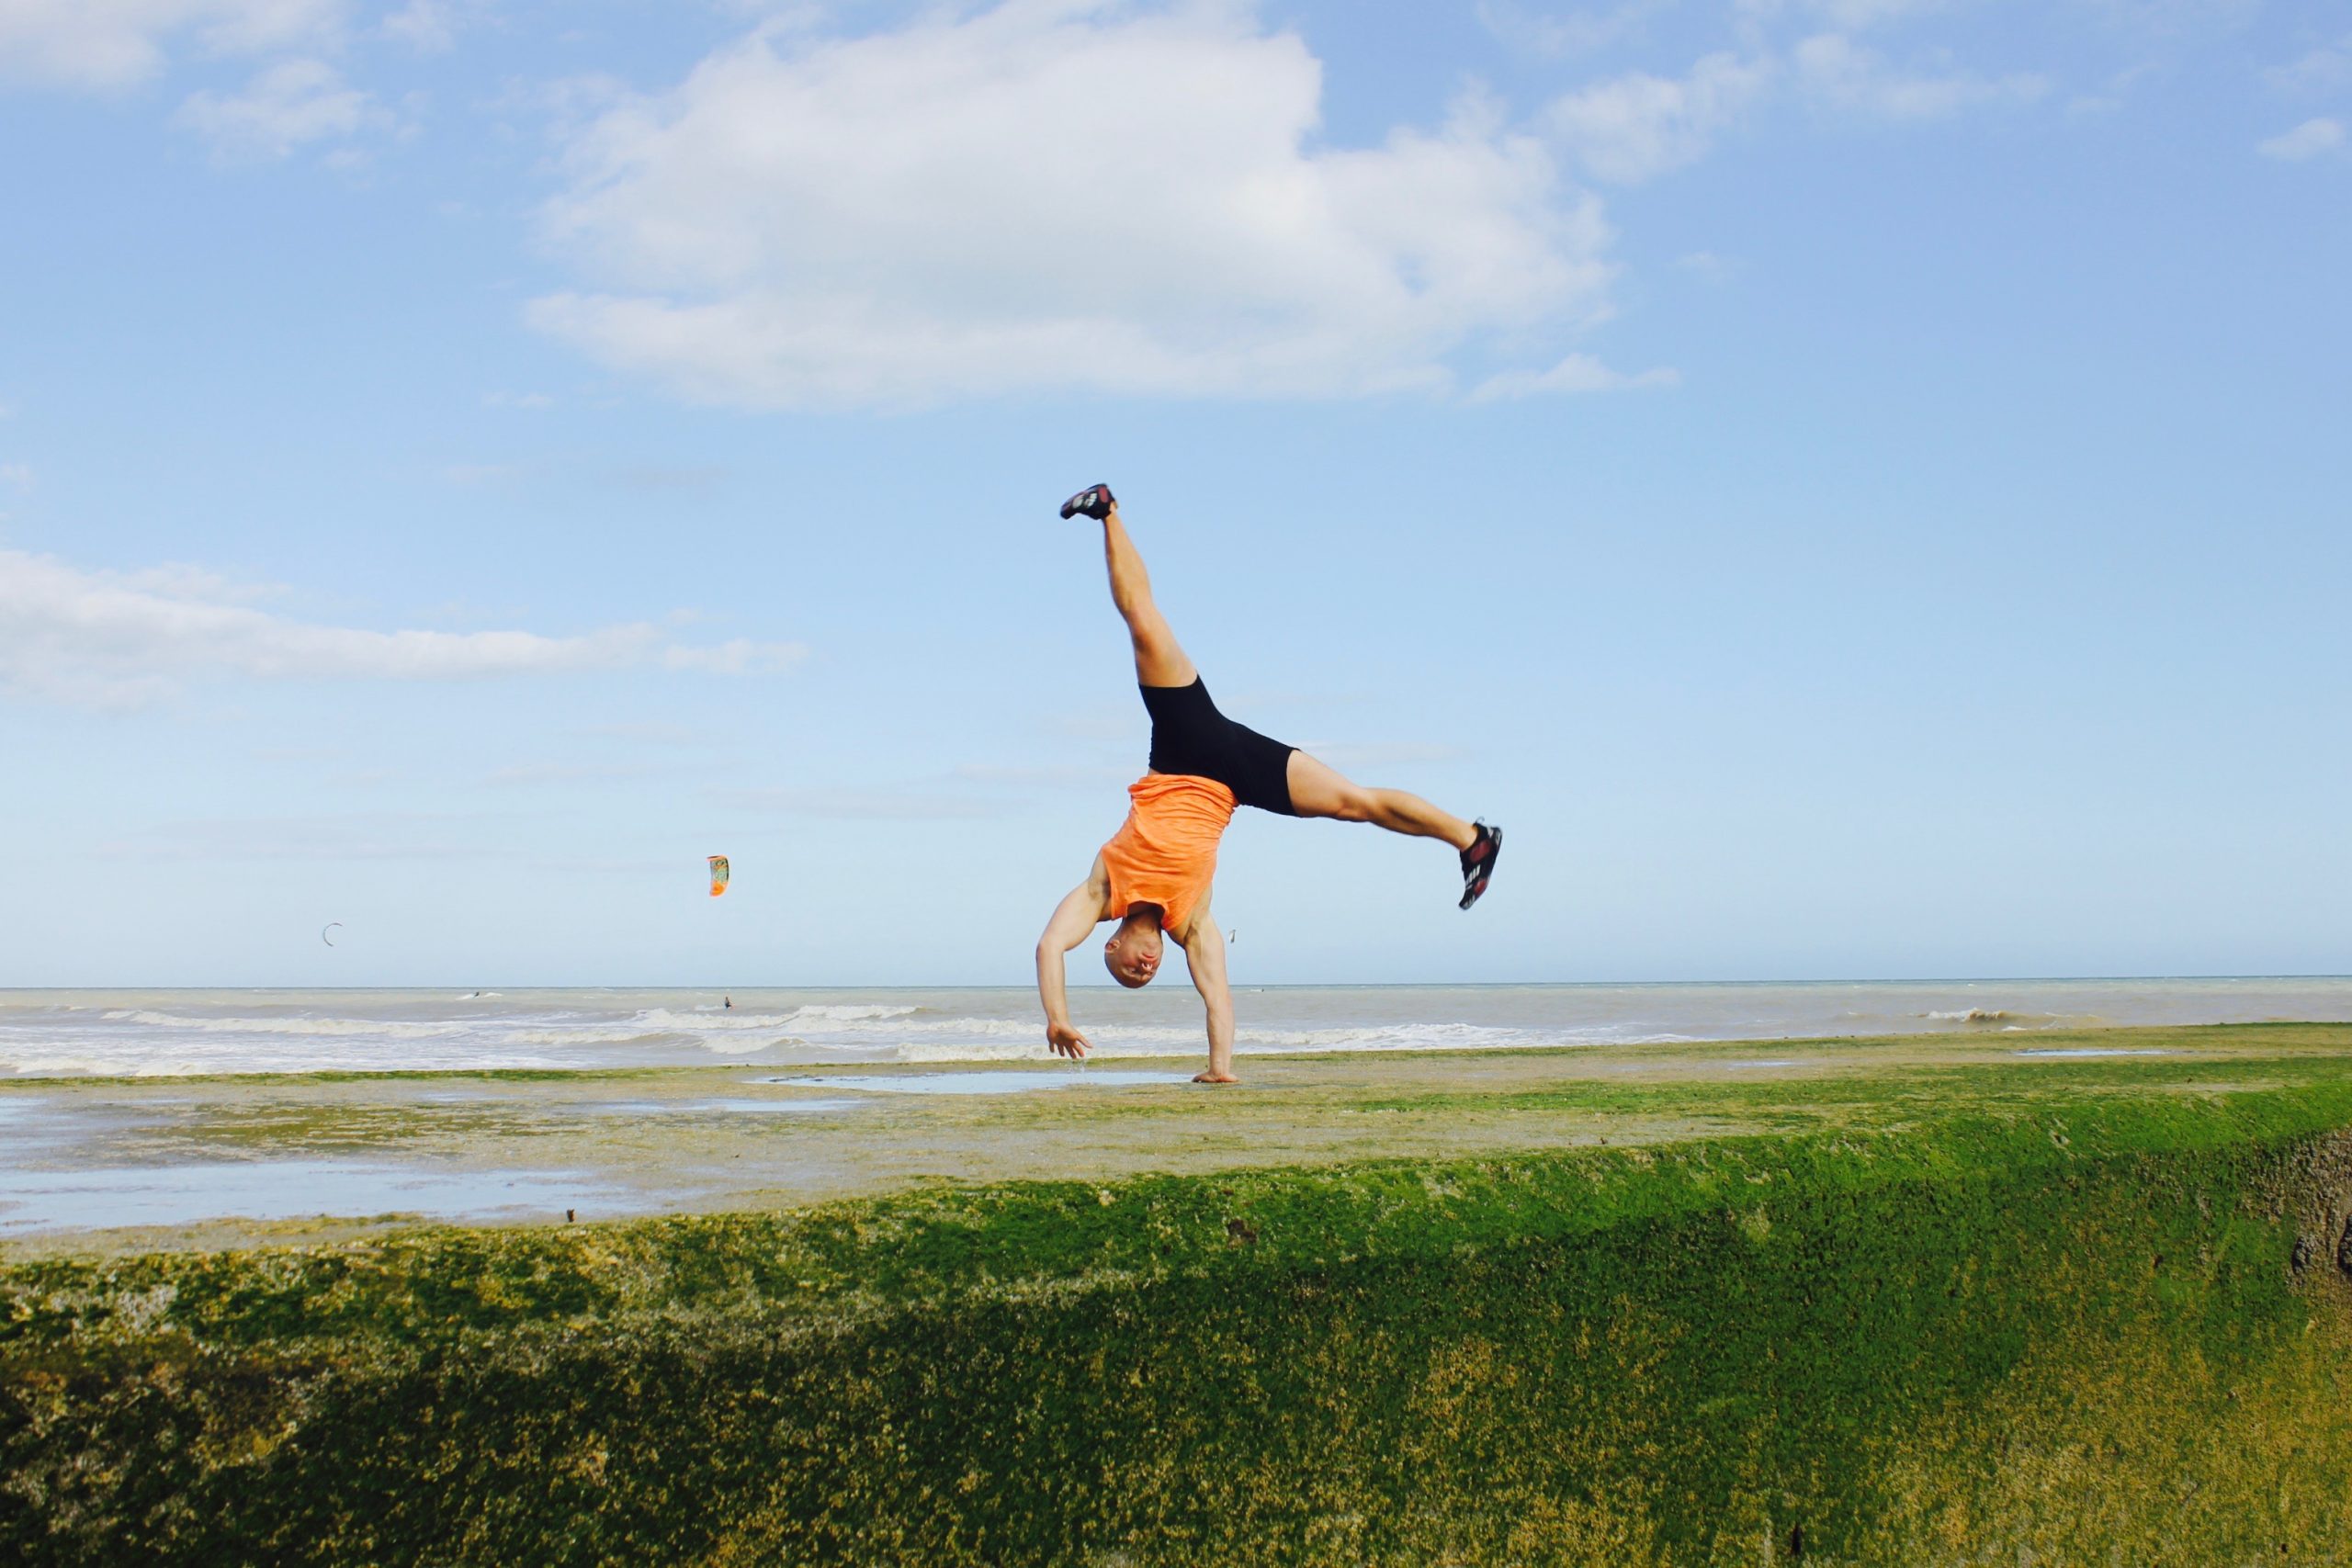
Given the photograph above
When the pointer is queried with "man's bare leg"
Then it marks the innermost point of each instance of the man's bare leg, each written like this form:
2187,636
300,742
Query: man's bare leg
1318,790
1160,660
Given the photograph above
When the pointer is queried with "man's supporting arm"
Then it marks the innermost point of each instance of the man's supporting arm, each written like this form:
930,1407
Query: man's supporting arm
1205,955
1079,912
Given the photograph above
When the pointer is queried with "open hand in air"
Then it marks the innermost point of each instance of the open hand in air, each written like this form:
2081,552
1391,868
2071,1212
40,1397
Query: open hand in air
1067,1040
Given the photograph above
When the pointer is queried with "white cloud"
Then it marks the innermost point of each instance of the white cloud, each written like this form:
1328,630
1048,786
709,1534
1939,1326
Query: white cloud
1051,194
1836,70
2307,139
1639,126
17,476
117,639
286,105
117,43
1577,373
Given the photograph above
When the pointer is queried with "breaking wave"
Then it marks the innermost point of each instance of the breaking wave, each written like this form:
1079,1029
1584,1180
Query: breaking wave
175,1032
1991,1016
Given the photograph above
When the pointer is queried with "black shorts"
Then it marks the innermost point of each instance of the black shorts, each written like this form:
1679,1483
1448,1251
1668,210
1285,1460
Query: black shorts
1189,736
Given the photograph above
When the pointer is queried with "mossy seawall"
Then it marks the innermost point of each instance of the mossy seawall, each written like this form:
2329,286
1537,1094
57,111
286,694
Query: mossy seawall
2104,1329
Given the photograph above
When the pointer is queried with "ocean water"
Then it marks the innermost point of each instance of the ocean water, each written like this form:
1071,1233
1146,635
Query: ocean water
165,1032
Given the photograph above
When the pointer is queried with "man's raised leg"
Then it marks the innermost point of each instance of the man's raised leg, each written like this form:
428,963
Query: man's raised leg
1160,660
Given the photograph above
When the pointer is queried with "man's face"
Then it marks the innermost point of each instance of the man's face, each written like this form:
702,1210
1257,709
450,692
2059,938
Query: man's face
1133,958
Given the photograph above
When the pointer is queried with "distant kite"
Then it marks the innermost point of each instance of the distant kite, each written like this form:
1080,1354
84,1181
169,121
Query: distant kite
328,927
717,875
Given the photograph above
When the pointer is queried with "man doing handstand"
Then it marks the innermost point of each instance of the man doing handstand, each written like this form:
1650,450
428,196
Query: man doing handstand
1155,874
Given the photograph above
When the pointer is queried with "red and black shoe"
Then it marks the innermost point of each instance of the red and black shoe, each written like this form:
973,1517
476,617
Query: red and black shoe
1095,502
1478,862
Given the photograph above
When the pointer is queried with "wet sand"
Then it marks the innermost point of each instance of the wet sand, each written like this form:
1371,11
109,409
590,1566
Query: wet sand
131,1165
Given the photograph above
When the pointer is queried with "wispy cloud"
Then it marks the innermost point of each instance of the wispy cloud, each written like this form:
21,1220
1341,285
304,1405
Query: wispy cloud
285,107
1638,125
1077,776
1843,75
117,639
647,734
573,773
1564,34
675,478
108,44
1709,267
431,26
862,804
2320,70
2309,139
1577,373
1848,16
349,836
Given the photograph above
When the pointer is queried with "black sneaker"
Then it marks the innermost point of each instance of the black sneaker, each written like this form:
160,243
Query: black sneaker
1095,502
1478,862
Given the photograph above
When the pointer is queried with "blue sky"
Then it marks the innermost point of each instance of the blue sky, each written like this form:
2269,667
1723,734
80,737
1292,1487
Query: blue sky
1857,487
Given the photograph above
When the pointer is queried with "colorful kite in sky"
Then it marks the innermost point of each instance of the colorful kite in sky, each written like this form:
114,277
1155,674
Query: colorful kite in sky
717,875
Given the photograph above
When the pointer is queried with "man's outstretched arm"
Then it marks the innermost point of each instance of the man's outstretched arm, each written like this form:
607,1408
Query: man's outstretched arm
1078,913
1205,955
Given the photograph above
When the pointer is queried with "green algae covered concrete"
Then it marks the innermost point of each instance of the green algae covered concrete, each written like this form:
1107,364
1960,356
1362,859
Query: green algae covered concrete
1896,1304
613,1145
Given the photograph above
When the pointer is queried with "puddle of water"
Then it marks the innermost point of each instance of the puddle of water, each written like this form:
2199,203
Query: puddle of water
1763,1063
280,1190
984,1082
2094,1051
747,1107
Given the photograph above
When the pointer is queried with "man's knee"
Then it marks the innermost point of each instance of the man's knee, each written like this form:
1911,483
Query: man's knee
1160,657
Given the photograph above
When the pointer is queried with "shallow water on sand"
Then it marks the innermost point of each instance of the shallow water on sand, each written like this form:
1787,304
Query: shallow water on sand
1001,1082
179,1193
186,1032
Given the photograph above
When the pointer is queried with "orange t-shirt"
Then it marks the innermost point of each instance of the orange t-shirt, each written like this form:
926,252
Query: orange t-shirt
1166,851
